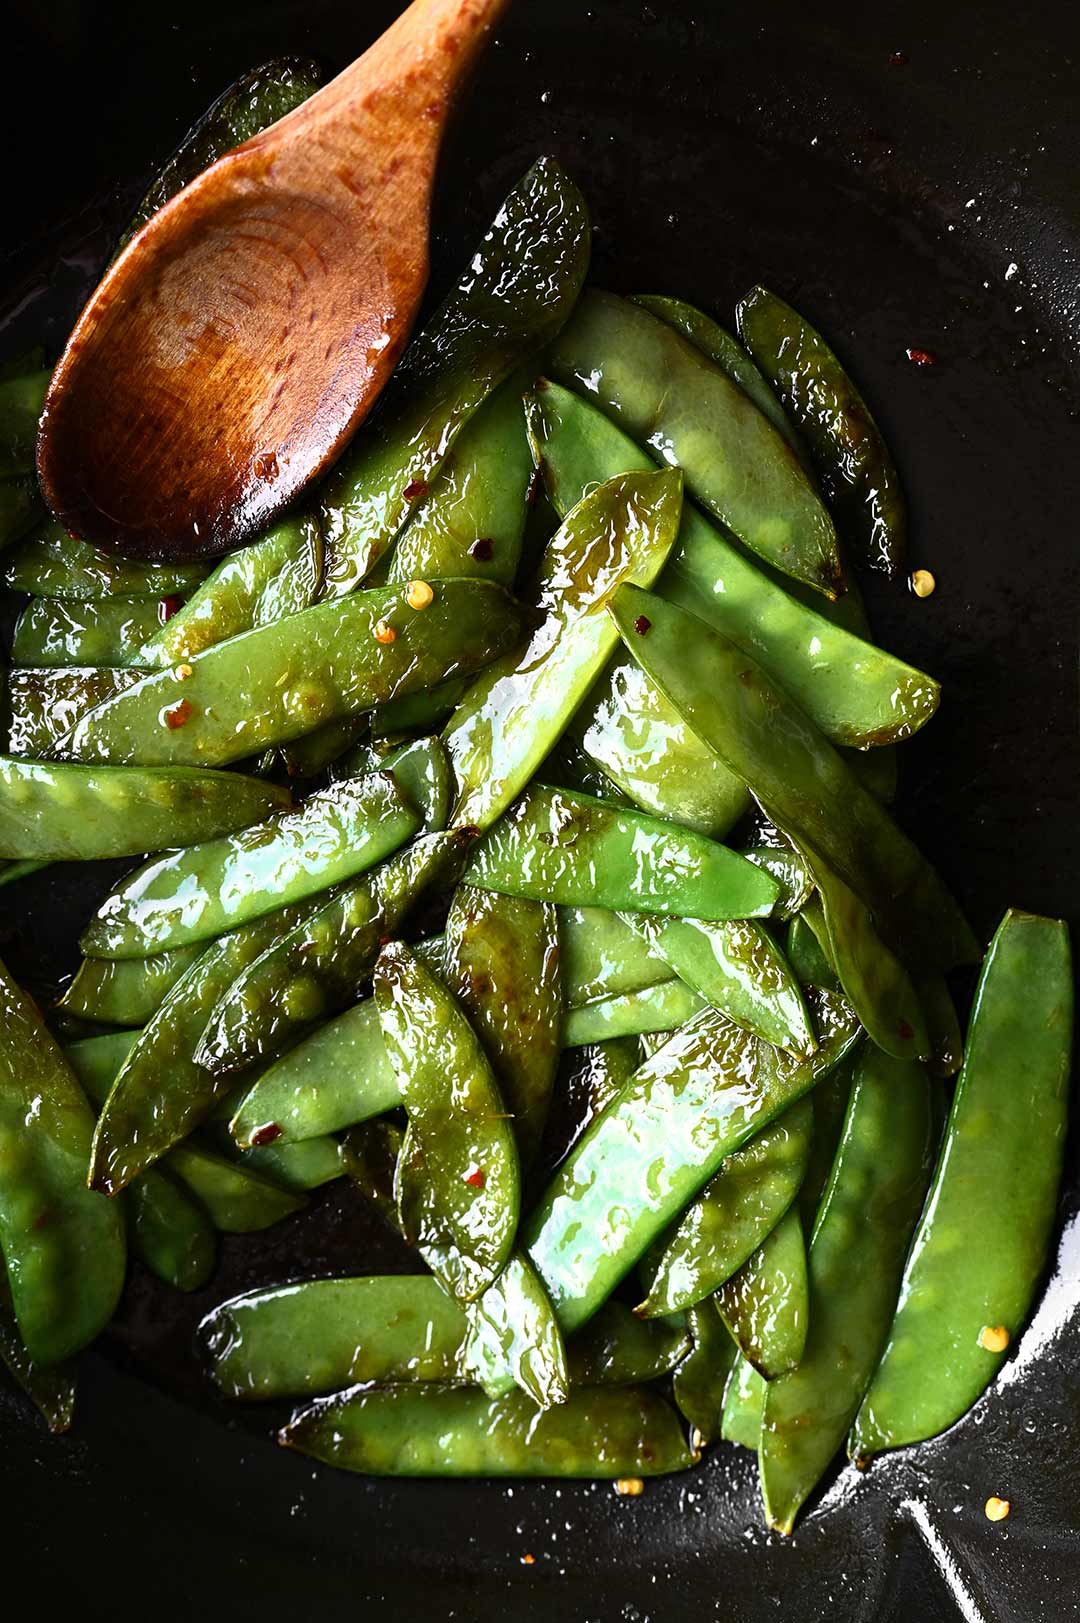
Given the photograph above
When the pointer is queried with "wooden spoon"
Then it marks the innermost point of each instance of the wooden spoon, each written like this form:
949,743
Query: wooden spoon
248,328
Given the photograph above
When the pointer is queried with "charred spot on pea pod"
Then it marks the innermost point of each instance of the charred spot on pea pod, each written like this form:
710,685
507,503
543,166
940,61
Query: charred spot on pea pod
483,550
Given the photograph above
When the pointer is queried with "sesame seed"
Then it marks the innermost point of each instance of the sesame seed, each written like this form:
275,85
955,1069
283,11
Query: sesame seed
994,1337
922,583
418,594
996,1509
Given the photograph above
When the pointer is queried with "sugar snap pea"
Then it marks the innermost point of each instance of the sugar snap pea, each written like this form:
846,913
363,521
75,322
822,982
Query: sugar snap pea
589,1078
46,703
501,962
473,521
744,1398
195,894
852,460
943,1025
983,1235
514,1338
239,1200
602,956
50,1388
616,1348
806,955
96,1060
422,769
418,711
160,1092
371,1153
284,679
803,785
706,1091
458,1181
735,1212
103,631
126,992
830,1102
700,1379
63,1244
514,712
21,400
305,1165
277,576
857,1252
738,968
314,969
790,872
432,1430
518,290
20,508
578,851
764,1305
56,812
688,412
51,563
857,694
631,1014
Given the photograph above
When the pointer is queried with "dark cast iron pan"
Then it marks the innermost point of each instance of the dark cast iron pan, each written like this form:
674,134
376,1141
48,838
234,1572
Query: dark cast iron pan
909,175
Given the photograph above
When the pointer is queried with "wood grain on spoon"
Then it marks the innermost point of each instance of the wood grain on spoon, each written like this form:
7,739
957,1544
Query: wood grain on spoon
248,328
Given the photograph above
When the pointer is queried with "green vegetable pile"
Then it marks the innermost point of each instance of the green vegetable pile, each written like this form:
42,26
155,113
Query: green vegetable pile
516,845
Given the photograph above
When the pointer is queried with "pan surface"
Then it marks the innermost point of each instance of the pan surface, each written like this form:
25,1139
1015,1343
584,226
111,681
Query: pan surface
907,175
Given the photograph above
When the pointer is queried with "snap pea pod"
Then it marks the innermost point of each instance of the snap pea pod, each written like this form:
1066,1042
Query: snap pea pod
20,508
943,1025
734,1214
238,1200
744,1399
10,871
830,1102
983,1235
160,1093
857,694
662,1007
458,1180
59,631
874,981
700,1379
51,563
96,1061
284,679
738,968
50,1388
637,740
313,969
570,768
64,812
305,1165
501,963
431,1430
803,785
325,1334
589,1078
21,400
312,753
371,1152
852,460
193,895
764,1305
473,521
46,704
857,1253
601,955
701,1096
515,711
687,412
63,1244
258,98
806,955
727,353
514,1338
578,851
417,711
423,771
616,1348
126,992
520,286
277,576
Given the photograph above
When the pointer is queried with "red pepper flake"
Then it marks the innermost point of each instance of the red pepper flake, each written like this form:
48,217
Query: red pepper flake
921,357
475,1177
536,479
483,550
906,1031
415,490
179,714
265,1134
168,606
898,59
642,624
265,466
528,1560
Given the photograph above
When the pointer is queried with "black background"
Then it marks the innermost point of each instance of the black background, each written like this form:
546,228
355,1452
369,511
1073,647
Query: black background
929,202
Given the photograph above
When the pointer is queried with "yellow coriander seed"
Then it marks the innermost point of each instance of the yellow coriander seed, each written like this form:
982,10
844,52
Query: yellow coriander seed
996,1509
383,632
922,583
418,594
630,1487
994,1337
